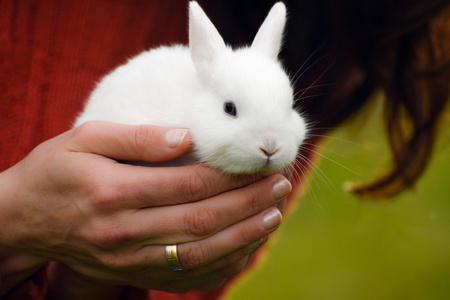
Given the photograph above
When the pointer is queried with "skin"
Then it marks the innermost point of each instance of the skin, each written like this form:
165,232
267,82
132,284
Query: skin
103,224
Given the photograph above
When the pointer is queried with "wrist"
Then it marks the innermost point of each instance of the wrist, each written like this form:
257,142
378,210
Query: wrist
15,263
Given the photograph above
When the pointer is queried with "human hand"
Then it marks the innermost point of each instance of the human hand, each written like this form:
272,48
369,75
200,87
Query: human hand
69,201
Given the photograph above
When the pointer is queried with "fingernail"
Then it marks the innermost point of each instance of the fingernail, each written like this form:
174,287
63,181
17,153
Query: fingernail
281,189
175,137
252,246
281,205
272,219
264,240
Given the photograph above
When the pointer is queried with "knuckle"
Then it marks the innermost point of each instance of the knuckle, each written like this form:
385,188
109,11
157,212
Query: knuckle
85,132
110,261
245,235
253,200
194,187
114,261
143,136
84,129
105,197
236,268
230,258
200,221
193,257
107,235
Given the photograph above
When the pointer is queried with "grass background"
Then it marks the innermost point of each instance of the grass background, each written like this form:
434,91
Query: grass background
335,246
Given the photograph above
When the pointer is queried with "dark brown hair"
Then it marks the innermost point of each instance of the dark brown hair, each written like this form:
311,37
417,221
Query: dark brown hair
345,50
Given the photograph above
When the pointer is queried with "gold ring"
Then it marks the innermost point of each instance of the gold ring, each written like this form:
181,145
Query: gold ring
172,258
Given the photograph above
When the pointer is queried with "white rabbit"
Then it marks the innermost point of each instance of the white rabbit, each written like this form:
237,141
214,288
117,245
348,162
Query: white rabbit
237,104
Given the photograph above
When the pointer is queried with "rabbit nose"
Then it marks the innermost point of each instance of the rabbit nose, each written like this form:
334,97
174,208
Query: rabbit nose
268,153
269,147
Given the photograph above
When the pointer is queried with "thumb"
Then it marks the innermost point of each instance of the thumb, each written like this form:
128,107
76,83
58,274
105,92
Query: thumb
147,143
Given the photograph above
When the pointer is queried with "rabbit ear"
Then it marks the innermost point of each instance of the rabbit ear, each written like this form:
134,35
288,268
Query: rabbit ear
270,35
205,42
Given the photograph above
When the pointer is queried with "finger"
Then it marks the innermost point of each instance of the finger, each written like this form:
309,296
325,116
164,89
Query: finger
205,218
204,287
281,205
206,255
145,143
141,187
160,265
210,281
202,252
226,261
220,269
220,275
194,221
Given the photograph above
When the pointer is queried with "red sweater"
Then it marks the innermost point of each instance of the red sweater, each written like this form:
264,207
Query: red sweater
52,52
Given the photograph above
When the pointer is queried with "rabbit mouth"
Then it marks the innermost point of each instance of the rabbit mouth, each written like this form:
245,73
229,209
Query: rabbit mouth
269,165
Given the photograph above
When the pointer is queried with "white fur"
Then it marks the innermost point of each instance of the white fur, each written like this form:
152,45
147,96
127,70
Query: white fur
187,87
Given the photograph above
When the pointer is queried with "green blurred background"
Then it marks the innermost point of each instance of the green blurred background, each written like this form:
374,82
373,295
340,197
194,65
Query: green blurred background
335,246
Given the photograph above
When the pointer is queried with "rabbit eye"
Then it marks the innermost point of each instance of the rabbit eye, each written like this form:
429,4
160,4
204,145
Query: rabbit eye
230,108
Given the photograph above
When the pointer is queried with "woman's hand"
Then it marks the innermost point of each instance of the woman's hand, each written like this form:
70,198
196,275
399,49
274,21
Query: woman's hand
70,201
